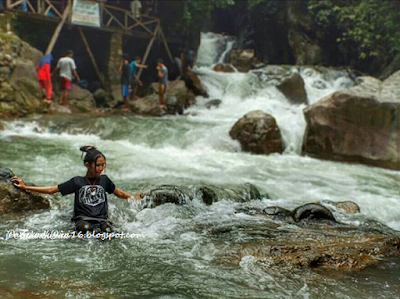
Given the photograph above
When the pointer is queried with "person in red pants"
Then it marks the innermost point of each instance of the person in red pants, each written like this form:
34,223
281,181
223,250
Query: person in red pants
44,76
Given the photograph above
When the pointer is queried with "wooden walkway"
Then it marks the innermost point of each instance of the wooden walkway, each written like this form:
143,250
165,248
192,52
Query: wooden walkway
112,19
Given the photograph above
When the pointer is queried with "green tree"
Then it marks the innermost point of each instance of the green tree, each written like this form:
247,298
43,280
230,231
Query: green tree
371,28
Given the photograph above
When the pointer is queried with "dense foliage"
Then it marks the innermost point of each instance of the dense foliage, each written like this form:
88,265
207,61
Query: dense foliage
370,28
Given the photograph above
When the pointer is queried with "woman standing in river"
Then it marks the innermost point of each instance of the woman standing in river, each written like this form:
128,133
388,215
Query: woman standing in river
90,204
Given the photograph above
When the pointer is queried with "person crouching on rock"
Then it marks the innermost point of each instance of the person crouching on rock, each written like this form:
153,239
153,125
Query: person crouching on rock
90,204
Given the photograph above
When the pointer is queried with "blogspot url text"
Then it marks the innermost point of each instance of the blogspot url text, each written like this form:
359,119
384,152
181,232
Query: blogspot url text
53,235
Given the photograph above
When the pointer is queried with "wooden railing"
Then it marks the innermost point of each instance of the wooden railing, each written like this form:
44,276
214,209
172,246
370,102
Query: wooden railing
110,16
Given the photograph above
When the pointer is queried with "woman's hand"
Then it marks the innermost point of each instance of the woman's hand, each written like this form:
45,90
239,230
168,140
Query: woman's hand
18,182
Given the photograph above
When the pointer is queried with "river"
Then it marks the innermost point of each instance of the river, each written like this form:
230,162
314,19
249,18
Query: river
177,257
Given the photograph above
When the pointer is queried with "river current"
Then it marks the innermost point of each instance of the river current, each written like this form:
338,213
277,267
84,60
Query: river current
176,257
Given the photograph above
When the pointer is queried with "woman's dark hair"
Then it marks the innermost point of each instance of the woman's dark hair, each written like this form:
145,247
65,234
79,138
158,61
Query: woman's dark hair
92,154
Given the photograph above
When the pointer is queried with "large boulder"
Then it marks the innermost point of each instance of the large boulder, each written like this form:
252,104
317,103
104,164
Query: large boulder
179,97
13,199
258,133
19,89
293,88
81,98
360,124
312,239
287,80
193,83
318,245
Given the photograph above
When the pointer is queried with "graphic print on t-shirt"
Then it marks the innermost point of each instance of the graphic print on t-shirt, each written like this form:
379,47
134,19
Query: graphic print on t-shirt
92,196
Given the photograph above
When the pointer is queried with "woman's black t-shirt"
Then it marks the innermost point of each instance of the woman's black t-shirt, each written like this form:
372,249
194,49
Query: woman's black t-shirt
90,201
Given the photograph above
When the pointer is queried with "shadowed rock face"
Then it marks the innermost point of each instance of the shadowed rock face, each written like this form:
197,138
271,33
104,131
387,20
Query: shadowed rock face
13,199
359,124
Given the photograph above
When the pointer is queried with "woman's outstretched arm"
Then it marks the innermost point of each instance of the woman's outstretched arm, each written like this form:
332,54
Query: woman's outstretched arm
21,185
122,194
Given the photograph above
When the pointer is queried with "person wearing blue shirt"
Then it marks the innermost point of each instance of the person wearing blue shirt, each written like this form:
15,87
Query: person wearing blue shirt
135,81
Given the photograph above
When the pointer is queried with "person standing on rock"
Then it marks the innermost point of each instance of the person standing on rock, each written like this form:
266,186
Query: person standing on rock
67,68
125,72
135,81
90,205
44,76
162,74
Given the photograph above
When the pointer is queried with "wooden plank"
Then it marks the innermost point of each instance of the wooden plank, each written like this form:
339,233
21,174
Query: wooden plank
146,54
91,57
12,5
28,2
58,29
166,45
51,6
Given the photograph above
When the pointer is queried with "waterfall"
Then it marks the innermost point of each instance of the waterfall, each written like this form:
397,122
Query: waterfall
244,92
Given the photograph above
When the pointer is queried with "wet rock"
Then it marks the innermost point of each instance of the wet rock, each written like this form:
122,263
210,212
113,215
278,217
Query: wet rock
81,98
193,83
13,199
243,60
165,194
293,88
345,248
286,79
319,244
101,97
213,104
210,194
348,207
258,133
312,211
178,98
224,68
360,124
344,207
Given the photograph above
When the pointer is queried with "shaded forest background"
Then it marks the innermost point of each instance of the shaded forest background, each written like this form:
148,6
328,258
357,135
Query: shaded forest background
363,35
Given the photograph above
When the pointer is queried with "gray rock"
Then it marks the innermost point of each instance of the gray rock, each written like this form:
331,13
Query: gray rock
293,89
360,124
213,104
14,200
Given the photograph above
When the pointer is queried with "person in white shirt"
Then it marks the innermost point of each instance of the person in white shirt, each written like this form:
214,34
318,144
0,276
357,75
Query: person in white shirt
67,68
136,6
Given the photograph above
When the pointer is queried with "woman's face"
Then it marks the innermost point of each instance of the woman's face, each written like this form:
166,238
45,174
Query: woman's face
96,168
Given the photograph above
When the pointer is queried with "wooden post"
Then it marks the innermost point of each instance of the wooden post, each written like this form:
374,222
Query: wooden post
166,45
91,56
58,29
8,4
146,54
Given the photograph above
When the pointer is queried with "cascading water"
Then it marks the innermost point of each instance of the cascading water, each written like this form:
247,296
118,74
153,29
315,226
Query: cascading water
178,258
